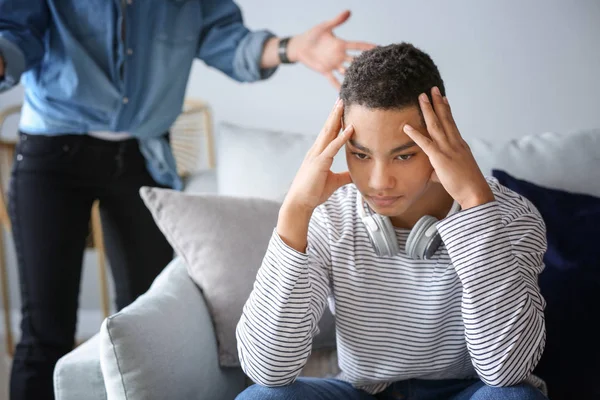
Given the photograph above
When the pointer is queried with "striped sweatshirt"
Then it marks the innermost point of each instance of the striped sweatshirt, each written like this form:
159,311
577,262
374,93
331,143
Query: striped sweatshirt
473,310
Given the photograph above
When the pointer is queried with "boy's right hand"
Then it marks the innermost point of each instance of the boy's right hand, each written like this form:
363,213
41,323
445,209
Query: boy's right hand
315,182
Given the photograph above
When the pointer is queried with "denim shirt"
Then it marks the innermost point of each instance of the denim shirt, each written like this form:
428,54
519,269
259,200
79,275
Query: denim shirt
120,65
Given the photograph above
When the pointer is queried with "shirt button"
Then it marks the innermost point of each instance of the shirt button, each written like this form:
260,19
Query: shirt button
19,157
130,51
125,100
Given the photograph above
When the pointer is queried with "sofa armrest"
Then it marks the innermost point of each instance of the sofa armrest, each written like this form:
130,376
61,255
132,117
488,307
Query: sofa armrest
78,376
163,345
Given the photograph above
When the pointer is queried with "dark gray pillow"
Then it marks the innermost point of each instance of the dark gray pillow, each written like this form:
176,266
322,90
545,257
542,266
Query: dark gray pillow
223,241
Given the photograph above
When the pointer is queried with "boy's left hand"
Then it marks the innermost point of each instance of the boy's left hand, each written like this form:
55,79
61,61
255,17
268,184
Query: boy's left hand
454,165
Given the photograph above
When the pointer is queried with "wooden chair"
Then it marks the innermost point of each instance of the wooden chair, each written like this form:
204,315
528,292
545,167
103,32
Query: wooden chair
192,127
7,151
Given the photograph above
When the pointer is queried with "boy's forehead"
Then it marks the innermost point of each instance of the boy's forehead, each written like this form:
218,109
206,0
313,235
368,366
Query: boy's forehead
368,119
359,112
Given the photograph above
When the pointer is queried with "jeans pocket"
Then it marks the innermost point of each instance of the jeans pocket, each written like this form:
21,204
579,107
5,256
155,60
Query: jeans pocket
41,151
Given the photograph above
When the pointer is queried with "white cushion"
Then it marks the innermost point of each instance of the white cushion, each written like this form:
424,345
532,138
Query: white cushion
261,163
77,375
484,153
569,162
201,182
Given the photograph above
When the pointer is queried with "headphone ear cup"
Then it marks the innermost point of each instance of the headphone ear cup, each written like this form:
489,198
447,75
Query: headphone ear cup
375,234
389,236
419,246
383,238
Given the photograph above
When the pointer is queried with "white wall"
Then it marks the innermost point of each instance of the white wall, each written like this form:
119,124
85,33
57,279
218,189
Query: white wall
511,68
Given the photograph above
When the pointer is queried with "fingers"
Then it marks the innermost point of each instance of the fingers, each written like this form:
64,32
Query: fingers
333,80
421,140
330,129
434,127
444,115
451,117
362,46
336,144
338,20
341,70
349,59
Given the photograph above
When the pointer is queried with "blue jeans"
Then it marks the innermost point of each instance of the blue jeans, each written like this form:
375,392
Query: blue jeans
413,389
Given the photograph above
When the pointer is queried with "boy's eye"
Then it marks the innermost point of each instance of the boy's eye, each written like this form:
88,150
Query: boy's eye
360,156
404,157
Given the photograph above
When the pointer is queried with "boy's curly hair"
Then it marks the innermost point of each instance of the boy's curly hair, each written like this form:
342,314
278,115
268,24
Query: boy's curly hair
390,77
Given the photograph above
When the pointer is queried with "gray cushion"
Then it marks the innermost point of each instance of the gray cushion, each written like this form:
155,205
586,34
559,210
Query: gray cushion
162,346
261,163
223,241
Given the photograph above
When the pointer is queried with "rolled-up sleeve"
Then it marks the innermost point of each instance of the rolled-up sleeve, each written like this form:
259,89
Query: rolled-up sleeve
227,45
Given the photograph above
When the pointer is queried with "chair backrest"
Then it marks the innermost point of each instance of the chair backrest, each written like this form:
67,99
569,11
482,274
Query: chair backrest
8,140
191,136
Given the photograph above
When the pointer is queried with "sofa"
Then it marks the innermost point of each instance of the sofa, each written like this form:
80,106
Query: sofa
164,345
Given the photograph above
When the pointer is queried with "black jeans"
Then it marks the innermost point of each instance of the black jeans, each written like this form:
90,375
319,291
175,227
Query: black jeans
54,182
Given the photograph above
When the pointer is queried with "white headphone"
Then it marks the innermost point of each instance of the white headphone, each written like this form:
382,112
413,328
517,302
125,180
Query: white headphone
422,242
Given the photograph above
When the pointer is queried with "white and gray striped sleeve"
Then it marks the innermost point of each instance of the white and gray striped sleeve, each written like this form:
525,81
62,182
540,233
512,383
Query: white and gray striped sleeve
498,259
281,316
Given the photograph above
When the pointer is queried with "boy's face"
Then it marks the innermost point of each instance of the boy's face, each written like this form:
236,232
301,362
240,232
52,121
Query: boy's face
386,166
